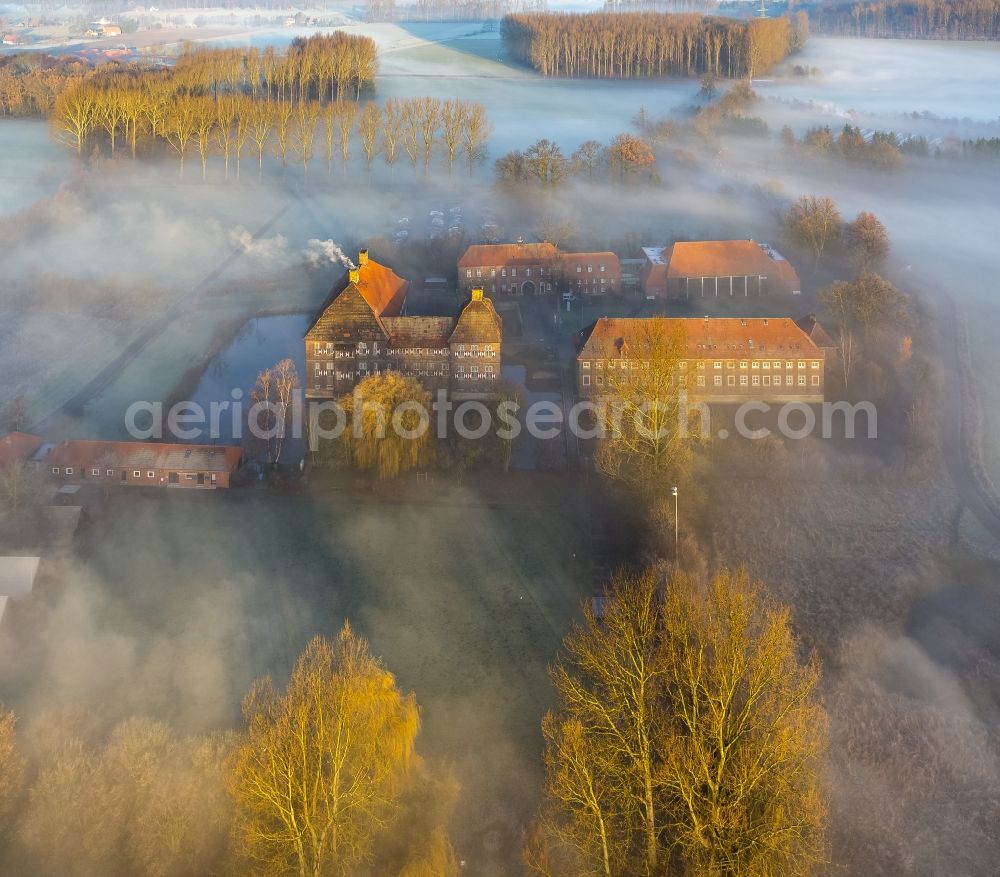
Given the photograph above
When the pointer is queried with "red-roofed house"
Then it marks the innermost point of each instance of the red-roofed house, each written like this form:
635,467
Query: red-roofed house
690,269
144,464
18,447
361,330
726,359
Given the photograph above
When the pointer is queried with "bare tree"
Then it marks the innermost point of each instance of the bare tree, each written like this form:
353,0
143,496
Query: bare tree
478,129
453,126
271,410
812,223
369,123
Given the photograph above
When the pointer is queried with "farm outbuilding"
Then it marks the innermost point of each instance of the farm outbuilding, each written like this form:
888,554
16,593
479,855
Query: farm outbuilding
693,269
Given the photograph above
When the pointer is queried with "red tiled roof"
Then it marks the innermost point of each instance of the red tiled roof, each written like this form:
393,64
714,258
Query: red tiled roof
719,336
383,289
84,454
609,259
17,447
727,259
507,254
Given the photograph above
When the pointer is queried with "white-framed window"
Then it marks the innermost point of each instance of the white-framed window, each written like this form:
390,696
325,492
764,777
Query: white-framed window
586,380
503,272
600,379
743,380
683,364
479,272
731,380
513,272
815,380
69,470
95,472
579,269
755,364
777,363
136,473
468,272
315,347
802,363
590,269
527,272
586,364
599,364
701,380
814,365
744,363
150,474
789,379
110,472
802,380
718,380
718,363
701,365
602,267
55,470
730,363
756,380
766,364
767,380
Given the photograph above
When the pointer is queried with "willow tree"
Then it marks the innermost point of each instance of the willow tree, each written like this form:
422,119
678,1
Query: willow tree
389,424
320,766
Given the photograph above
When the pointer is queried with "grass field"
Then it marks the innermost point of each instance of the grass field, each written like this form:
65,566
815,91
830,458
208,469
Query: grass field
182,600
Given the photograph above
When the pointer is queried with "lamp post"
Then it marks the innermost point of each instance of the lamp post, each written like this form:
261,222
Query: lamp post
676,528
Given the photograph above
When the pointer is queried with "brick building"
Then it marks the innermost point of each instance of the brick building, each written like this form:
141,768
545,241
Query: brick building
142,464
724,359
362,329
692,269
533,269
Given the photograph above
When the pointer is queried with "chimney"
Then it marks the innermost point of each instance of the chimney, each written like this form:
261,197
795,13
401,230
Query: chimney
354,275
362,257
477,293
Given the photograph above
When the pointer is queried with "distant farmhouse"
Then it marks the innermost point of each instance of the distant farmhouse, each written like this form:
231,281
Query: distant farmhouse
692,269
362,329
531,269
725,359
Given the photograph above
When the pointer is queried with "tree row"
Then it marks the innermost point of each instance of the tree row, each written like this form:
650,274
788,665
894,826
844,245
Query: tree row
647,44
235,126
923,19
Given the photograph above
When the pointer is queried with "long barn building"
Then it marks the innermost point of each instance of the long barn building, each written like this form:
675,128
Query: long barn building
723,360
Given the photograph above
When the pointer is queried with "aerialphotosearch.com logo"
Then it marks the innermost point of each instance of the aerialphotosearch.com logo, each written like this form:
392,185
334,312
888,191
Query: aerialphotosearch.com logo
472,419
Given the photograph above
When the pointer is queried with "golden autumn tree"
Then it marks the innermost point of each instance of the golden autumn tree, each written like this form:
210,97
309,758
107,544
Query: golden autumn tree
687,737
389,424
744,733
11,769
320,766
647,434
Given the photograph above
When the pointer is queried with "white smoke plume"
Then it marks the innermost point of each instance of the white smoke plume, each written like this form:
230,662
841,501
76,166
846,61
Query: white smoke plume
319,252
243,241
